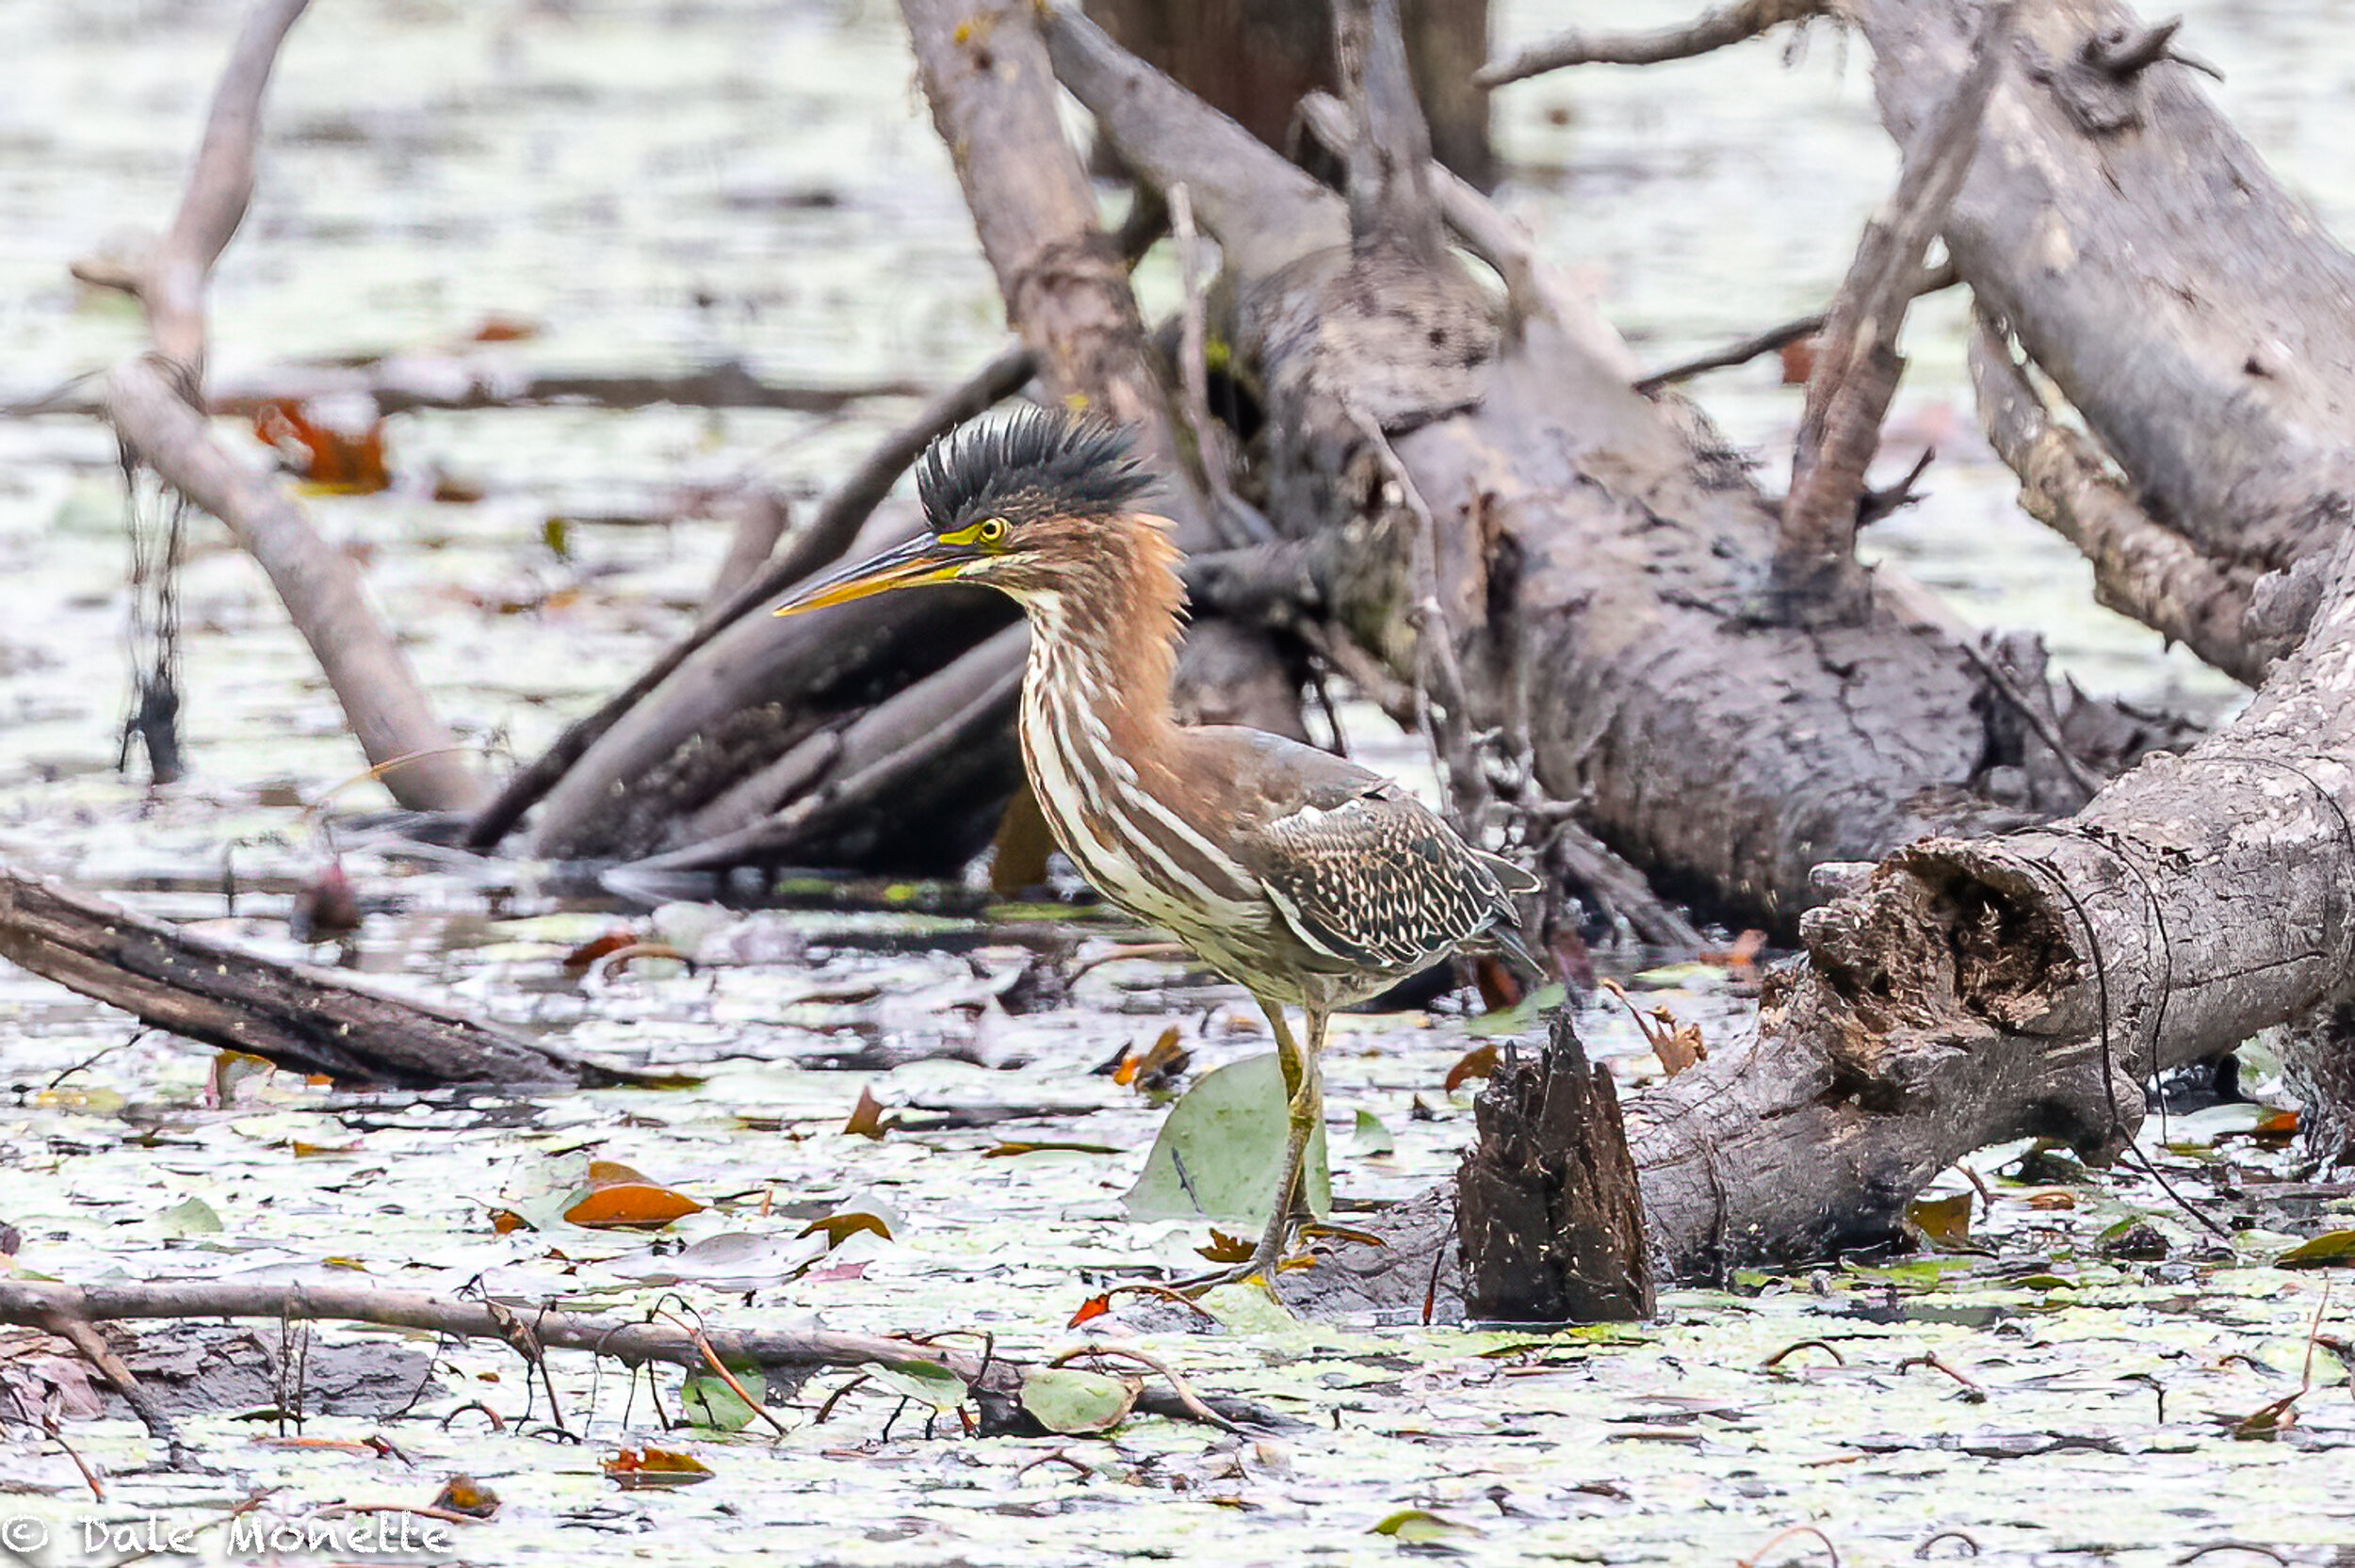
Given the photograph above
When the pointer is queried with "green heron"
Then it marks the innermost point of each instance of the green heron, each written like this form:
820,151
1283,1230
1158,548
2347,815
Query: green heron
1304,877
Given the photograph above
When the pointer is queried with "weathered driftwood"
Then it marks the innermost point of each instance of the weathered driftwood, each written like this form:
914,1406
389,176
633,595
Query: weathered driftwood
880,734
308,1019
152,403
1745,19
993,1380
1816,574
2192,311
821,541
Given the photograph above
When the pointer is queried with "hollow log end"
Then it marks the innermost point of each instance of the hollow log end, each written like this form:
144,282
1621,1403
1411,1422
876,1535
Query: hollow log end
1549,1219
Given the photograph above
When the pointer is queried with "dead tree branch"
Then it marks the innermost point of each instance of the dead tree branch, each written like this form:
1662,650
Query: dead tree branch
307,1019
152,403
2140,566
1712,30
1856,369
995,1380
987,75
1932,280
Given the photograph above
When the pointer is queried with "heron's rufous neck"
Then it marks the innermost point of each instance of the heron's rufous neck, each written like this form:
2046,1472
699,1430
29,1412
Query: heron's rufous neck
1104,633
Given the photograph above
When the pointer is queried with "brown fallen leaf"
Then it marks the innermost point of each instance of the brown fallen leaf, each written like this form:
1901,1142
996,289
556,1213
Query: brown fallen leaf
347,461
619,1197
1225,1248
636,1468
1945,1222
1676,1046
465,1495
1155,1068
1478,1062
580,960
838,1228
867,1117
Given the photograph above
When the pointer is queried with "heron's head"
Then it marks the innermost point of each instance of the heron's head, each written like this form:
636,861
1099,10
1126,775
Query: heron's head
1020,502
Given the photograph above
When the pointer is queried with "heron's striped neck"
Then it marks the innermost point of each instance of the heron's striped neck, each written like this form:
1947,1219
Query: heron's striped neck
1104,636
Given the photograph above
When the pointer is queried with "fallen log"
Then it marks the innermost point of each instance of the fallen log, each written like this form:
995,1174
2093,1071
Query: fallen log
994,1381
306,1019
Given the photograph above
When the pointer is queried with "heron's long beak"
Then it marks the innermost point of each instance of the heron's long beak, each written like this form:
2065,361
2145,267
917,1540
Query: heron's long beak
921,560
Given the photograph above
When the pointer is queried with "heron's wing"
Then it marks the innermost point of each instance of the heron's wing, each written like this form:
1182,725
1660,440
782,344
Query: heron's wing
1370,877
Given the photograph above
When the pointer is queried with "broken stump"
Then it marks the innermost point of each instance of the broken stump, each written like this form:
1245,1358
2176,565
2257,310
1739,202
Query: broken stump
1548,1217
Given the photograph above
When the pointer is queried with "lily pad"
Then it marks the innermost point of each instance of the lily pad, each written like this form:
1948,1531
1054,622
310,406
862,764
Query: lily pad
1068,1400
2331,1250
924,1381
709,1400
1221,1149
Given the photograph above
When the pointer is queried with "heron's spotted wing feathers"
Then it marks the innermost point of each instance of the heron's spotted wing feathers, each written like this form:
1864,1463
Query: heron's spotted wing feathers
1376,879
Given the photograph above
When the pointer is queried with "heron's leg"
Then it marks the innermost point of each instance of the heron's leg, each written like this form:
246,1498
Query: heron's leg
1304,1108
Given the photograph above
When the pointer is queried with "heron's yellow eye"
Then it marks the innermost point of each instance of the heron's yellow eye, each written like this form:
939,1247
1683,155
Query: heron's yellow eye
992,530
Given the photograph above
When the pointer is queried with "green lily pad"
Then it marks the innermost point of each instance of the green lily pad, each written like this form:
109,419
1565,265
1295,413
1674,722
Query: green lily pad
1373,1139
709,1400
189,1217
1066,1399
2331,1250
1220,1149
924,1381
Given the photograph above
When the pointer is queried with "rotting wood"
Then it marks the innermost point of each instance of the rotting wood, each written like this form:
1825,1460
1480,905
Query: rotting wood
308,1019
1817,576
995,1380
152,402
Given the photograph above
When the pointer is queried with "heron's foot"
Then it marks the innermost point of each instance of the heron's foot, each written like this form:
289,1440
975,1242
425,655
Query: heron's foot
1261,1266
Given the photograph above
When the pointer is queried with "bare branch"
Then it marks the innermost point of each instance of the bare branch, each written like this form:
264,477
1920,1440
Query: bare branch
996,1380
1711,30
1857,369
219,185
310,1020
318,583
1932,280
2140,566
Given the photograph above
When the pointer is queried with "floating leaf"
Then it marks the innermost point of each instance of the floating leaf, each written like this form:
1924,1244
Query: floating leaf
839,1227
1415,1525
584,958
189,1217
1068,1400
636,1468
2331,1250
709,1400
1946,1221
1091,1309
867,1117
1221,1149
1225,1248
1478,1062
1371,1137
618,1196
465,1495
1156,1068
925,1381
82,1101
1008,1151
733,1260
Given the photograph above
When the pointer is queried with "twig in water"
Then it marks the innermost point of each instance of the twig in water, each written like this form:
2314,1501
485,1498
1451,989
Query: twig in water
1776,1359
1780,1537
1972,1392
1186,1396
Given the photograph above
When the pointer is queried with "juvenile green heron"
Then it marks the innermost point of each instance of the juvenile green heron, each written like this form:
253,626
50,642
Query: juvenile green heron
1302,877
